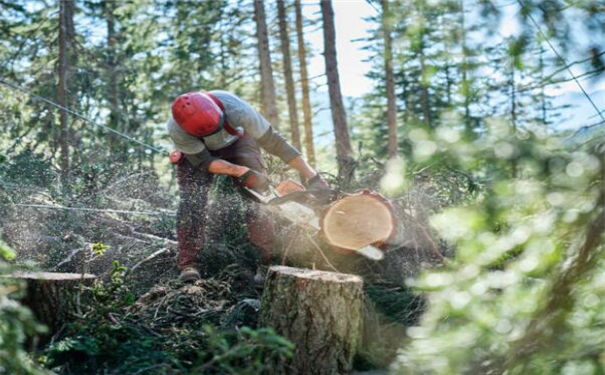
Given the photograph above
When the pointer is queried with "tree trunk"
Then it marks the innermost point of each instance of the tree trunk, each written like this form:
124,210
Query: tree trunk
344,152
542,92
304,81
424,90
320,312
513,97
284,37
390,85
66,35
112,79
269,107
513,111
466,89
52,296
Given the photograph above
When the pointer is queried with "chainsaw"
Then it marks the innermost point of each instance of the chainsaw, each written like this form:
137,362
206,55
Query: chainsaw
304,208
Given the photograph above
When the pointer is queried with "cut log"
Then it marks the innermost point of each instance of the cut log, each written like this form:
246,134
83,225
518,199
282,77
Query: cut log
357,221
52,296
320,312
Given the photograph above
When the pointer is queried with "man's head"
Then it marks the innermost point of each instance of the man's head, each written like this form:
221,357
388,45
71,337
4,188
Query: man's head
197,114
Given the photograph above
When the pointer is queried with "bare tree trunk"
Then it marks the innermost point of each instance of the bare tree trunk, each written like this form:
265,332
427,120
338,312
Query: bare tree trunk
223,54
390,84
304,81
542,93
424,90
405,96
269,106
112,79
344,152
447,67
66,34
513,111
466,90
513,99
284,37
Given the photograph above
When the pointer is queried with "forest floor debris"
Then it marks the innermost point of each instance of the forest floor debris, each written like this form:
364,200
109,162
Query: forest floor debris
174,304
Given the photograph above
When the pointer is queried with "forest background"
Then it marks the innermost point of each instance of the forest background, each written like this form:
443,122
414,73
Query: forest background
481,120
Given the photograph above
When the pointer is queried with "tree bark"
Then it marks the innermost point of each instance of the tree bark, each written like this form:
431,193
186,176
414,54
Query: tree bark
389,81
112,78
52,296
466,89
543,118
284,37
269,106
304,81
424,90
513,111
344,152
320,312
66,35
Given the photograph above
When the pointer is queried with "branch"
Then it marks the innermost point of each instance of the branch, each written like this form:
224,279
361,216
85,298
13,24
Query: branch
560,300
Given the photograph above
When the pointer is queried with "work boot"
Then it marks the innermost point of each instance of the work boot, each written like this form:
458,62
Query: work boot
189,275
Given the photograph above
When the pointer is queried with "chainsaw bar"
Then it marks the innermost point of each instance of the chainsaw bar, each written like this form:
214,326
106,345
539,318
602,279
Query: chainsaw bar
313,198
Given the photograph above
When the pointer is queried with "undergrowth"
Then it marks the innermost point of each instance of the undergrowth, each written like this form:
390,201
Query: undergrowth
115,336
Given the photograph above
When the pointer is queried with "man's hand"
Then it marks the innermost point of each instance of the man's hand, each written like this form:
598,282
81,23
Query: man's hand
317,183
254,180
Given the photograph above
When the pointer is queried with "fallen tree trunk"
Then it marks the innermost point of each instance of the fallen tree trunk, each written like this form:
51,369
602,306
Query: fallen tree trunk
357,221
320,312
52,296
362,223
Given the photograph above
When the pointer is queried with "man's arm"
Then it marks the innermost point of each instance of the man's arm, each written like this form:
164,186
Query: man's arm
240,113
220,166
245,176
302,167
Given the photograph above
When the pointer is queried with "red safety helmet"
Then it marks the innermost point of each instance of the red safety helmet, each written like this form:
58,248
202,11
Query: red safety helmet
197,114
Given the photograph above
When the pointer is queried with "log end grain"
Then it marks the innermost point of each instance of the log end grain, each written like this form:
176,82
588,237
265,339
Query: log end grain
357,221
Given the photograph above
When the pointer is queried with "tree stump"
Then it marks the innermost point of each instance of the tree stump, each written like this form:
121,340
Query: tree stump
51,296
320,312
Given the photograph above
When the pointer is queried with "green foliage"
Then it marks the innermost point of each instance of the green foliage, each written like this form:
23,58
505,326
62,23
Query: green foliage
525,284
246,351
99,248
110,337
26,168
6,252
16,323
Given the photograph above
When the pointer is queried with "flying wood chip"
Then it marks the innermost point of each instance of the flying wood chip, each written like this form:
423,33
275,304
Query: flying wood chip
358,220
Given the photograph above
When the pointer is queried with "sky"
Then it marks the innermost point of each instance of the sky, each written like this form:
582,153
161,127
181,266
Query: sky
352,60
350,25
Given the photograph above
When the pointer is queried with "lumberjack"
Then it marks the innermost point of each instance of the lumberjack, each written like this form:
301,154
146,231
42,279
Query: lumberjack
218,133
